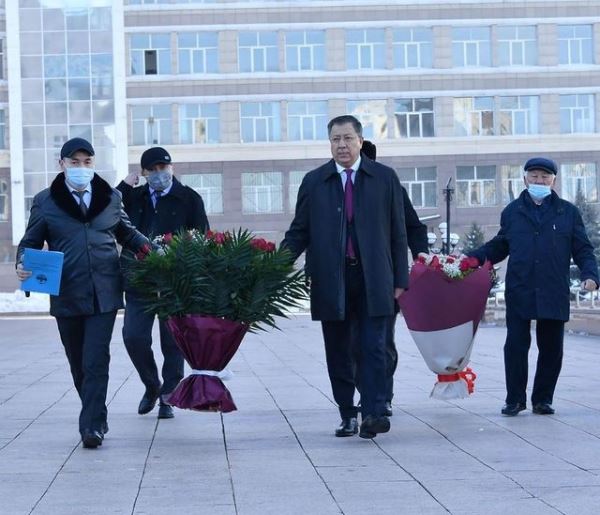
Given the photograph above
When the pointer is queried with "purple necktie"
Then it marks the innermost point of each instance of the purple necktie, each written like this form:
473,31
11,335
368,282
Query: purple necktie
348,191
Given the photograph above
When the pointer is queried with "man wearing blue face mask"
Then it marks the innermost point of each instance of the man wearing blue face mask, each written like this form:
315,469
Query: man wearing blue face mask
81,216
540,232
163,205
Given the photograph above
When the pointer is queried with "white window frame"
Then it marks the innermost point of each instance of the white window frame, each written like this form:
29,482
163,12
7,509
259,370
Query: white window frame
475,183
295,180
151,47
371,120
271,120
209,54
517,46
583,111
298,49
530,113
579,175
412,114
574,45
211,123
465,45
473,113
258,54
211,193
416,182
512,181
371,48
420,48
316,119
154,127
262,186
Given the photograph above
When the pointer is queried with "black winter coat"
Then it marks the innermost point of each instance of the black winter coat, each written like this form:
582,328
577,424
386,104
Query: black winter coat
539,255
91,258
319,226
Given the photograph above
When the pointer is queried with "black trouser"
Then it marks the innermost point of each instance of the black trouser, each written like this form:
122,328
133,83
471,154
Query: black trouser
549,338
86,340
371,336
137,335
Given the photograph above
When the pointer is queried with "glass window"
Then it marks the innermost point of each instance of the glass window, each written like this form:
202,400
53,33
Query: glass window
258,52
577,114
199,123
414,118
421,185
150,54
365,49
575,44
198,52
260,121
2,129
475,186
151,125
1,58
4,200
519,115
294,185
413,48
262,192
307,120
373,116
579,177
474,116
305,50
512,182
517,46
471,46
210,188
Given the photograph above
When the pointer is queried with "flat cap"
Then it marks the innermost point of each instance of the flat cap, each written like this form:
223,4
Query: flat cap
153,156
74,145
541,163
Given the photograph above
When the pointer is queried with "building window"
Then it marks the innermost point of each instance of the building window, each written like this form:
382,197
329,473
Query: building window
262,192
2,129
150,54
151,125
3,200
575,45
198,52
475,186
474,116
471,46
210,188
365,49
517,46
512,182
576,114
1,58
413,48
414,118
305,50
260,121
579,177
307,120
293,187
421,185
519,115
372,115
199,123
258,52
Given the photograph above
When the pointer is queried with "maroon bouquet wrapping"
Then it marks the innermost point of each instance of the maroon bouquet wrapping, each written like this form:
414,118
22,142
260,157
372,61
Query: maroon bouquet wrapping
442,307
207,344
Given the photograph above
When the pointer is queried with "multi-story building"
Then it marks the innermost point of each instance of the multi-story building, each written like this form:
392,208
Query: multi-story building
241,91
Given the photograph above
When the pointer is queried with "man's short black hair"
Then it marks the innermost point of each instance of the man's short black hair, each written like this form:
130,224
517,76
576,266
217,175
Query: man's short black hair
369,149
345,118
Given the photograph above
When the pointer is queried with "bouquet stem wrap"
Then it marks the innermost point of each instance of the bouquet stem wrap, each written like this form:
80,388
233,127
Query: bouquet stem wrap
442,315
207,344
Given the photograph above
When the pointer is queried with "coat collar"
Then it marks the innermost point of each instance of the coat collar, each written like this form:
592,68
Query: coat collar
101,196
556,207
366,165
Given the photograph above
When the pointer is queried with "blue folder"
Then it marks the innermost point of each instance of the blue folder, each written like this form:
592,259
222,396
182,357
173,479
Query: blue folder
46,267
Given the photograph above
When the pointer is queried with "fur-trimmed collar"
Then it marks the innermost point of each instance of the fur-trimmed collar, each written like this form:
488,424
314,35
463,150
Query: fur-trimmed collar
101,196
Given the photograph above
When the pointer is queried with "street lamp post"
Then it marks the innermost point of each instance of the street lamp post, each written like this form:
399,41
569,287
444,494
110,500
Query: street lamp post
448,191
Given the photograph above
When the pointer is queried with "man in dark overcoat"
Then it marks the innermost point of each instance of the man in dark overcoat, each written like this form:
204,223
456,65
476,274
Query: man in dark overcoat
350,218
81,216
540,233
162,205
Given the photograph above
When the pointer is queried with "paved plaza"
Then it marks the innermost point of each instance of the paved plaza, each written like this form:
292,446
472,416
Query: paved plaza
277,454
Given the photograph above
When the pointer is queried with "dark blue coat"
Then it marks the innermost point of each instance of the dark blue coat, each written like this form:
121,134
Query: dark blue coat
537,275
319,226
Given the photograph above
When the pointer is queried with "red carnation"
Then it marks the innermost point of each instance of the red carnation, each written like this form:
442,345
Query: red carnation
168,238
473,262
143,252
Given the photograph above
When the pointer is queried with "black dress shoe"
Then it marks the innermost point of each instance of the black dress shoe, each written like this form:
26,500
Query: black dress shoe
371,426
348,427
510,410
543,408
91,439
104,428
148,402
388,409
165,411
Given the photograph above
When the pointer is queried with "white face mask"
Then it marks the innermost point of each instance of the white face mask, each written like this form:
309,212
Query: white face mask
79,177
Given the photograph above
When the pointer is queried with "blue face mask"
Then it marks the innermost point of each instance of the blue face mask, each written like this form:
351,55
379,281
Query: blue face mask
539,191
159,181
79,177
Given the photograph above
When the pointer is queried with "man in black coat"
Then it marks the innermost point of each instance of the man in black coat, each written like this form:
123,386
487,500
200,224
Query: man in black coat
416,233
541,233
350,218
81,216
163,205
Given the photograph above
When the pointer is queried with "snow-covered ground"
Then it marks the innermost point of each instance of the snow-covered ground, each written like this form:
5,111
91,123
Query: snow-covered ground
16,302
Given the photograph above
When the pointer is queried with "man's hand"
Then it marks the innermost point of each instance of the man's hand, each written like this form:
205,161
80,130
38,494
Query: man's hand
398,292
132,179
589,285
23,274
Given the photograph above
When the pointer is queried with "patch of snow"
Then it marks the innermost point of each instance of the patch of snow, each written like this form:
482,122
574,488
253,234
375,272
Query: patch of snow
16,302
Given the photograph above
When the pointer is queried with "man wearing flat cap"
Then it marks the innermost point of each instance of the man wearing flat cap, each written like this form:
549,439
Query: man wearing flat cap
81,215
162,205
540,232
